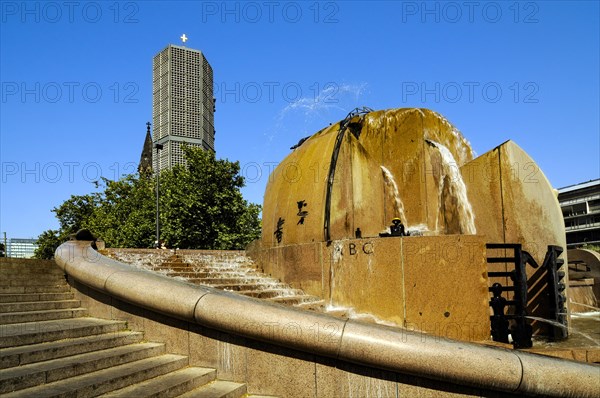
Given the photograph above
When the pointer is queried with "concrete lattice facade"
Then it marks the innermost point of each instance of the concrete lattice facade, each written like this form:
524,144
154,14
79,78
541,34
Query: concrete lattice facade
580,205
182,104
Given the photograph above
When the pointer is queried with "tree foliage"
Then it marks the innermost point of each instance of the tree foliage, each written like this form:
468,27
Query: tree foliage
125,213
201,207
75,211
47,243
72,215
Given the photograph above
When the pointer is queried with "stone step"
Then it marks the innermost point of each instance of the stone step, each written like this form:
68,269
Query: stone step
38,305
36,374
194,268
27,261
30,297
32,272
214,274
181,269
168,264
271,293
20,334
23,355
29,280
238,277
171,384
26,272
12,263
105,380
217,389
58,288
44,315
295,300
49,349
318,306
247,288
234,281
260,396
210,269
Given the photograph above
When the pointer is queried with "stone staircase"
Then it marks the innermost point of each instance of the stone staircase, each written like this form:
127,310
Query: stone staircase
228,271
49,347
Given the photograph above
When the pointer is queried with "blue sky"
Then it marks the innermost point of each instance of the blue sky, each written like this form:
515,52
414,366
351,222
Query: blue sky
77,83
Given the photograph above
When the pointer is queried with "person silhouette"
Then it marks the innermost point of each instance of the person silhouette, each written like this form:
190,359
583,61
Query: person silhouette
397,228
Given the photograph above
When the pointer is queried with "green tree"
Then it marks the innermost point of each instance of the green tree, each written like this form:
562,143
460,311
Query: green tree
72,215
202,206
47,243
2,250
125,213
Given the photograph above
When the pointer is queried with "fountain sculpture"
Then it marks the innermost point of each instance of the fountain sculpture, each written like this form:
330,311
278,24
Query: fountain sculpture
481,257
473,222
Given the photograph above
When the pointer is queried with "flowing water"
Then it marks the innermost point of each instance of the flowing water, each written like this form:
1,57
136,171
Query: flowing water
583,299
350,313
228,272
590,307
418,230
453,198
584,331
390,181
145,261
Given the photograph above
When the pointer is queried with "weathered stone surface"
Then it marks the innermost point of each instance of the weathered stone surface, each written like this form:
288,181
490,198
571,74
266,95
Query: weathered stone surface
305,335
87,356
445,282
338,379
361,197
367,275
509,198
592,260
281,372
409,281
514,203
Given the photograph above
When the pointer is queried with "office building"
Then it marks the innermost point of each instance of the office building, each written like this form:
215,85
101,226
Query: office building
182,104
580,205
20,247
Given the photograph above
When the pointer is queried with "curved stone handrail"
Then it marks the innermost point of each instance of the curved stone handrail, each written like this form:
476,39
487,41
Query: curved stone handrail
375,346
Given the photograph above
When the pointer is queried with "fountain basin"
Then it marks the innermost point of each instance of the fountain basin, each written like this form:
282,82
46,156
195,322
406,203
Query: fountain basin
436,284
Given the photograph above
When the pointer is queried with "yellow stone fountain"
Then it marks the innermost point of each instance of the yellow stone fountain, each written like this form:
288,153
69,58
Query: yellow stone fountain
479,257
329,200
